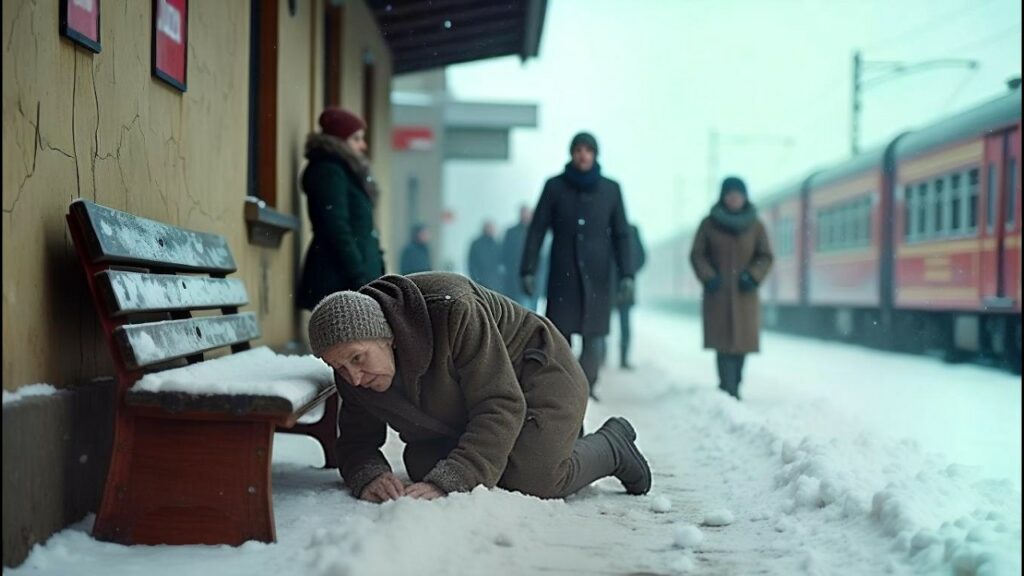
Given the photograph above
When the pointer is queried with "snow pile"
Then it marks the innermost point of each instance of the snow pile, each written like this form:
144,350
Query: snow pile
720,517
688,536
939,517
934,524
28,391
661,505
476,531
258,372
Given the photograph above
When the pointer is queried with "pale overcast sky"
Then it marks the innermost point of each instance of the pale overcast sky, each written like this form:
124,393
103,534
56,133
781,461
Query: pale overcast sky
652,78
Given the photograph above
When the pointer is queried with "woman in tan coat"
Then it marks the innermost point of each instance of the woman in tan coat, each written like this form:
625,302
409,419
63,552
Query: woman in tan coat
731,257
481,390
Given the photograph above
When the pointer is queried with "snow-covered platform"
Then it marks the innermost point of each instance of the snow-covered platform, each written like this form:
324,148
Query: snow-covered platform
839,460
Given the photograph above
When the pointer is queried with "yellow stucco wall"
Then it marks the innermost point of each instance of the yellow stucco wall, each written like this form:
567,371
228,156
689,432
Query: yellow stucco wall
98,126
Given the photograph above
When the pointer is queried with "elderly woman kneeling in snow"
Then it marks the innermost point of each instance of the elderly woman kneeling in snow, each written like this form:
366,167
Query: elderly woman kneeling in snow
481,390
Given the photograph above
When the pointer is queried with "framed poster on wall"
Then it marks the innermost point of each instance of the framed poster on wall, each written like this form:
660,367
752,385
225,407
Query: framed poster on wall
80,22
170,41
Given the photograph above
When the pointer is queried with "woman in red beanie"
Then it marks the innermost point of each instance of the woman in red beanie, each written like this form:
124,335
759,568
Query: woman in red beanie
341,194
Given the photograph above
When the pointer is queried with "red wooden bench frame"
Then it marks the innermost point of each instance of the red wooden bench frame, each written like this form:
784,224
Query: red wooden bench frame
187,476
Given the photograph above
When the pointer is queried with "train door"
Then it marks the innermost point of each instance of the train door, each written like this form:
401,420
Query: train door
1010,193
997,174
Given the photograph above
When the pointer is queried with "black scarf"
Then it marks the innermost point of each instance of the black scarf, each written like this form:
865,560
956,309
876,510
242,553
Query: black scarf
582,180
734,222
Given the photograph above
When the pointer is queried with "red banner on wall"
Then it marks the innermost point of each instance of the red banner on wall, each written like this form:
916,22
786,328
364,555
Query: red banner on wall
83,17
412,138
170,40
80,22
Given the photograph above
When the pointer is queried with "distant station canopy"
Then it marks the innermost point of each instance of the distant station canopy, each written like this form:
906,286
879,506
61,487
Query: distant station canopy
425,34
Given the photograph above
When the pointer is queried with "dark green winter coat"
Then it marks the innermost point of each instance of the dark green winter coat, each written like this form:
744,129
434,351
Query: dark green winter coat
345,251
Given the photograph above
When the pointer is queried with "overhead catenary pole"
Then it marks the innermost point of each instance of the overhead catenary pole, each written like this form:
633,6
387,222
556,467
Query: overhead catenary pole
893,70
855,116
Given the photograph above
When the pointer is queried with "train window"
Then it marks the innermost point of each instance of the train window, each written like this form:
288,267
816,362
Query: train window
843,232
837,228
830,231
784,237
908,211
820,231
846,232
938,224
956,203
865,222
990,198
972,199
1010,192
851,224
826,221
922,210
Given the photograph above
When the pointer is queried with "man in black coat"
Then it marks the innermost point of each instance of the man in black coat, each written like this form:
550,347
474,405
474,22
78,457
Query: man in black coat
587,217
485,259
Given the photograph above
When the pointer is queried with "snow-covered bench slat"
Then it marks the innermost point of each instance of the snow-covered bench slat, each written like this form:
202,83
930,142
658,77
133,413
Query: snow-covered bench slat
192,444
135,292
113,236
255,382
158,342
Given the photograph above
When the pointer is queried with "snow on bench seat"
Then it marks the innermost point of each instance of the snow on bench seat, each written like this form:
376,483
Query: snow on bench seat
258,373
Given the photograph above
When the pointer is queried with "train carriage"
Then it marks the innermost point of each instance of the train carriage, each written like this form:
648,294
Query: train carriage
956,223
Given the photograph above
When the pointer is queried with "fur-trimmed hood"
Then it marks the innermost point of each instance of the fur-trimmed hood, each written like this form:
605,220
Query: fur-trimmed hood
320,146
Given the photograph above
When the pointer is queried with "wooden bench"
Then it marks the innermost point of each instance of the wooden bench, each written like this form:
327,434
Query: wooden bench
185,468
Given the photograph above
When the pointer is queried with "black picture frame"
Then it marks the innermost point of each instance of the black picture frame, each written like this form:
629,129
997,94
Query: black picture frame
166,77
68,31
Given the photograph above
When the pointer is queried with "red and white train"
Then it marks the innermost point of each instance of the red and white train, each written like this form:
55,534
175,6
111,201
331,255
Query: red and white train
913,246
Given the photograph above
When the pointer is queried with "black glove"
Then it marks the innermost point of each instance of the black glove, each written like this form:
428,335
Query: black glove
712,285
747,282
626,291
529,285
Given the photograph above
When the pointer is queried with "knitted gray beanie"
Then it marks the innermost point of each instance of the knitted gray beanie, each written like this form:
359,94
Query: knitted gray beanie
346,317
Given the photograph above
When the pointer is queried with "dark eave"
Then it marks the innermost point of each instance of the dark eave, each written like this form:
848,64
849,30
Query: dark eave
428,34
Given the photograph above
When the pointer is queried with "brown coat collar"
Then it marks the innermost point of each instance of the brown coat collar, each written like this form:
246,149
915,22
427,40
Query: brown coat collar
406,312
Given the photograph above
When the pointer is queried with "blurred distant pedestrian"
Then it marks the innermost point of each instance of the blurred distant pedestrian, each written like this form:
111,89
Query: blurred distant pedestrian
416,254
512,259
587,217
485,259
731,257
624,303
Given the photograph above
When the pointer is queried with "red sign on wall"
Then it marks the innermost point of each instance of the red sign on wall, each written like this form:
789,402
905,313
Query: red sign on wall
412,138
80,21
170,41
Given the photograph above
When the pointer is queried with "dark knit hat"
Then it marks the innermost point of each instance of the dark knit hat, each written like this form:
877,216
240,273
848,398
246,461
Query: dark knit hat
585,139
340,123
346,317
732,183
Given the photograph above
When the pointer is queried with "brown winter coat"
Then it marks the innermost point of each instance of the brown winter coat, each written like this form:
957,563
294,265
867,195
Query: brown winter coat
732,318
485,393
